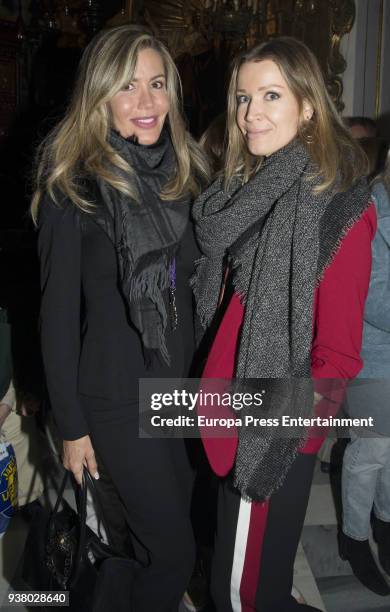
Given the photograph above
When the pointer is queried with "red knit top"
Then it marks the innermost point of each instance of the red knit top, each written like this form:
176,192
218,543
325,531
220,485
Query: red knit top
337,338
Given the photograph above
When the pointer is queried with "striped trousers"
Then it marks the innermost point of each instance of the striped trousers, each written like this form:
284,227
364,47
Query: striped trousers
256,544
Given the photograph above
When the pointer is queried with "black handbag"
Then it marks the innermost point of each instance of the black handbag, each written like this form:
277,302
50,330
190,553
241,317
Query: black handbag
62,553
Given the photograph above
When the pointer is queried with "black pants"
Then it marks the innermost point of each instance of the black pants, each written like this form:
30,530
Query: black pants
154,481
256,545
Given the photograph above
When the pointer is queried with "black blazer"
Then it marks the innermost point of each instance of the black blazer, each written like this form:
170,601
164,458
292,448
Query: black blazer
89,346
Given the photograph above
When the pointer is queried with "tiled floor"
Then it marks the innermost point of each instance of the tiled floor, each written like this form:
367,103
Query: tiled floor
325,581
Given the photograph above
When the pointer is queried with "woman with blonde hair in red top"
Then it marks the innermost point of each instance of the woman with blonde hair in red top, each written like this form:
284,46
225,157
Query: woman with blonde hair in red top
285,232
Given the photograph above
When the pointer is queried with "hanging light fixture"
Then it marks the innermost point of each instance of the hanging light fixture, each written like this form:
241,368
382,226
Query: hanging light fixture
309,7
234,16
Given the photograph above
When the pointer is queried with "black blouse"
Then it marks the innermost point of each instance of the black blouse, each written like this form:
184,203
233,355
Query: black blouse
88,343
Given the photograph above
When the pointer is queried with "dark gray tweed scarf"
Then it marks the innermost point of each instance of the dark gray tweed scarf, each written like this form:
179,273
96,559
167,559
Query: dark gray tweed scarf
146,235
279,238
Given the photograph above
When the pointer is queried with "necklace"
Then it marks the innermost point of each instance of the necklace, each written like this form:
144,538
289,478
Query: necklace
172,294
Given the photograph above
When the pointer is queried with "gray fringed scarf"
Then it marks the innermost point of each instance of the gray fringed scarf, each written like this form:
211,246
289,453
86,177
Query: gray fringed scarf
146,234
280,237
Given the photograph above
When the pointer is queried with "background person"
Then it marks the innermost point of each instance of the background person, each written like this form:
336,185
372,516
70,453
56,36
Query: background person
361,127
366,463
365,131
17,430
18,425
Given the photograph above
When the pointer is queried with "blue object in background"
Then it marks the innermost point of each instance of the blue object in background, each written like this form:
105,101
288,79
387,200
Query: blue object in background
8,484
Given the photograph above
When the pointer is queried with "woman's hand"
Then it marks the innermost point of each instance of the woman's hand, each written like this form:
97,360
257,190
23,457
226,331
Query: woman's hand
76,454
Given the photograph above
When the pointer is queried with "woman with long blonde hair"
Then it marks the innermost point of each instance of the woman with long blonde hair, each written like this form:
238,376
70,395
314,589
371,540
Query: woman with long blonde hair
114,185
285,232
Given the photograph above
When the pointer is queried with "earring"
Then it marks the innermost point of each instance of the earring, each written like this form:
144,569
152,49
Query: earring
307,131
308,138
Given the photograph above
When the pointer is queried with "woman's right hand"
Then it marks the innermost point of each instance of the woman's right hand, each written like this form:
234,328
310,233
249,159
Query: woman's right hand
77,454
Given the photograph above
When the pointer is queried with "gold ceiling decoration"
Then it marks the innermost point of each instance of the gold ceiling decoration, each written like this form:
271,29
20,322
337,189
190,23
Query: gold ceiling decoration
193,26
342,19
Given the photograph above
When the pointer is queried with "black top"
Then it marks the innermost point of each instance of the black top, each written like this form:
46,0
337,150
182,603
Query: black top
88,343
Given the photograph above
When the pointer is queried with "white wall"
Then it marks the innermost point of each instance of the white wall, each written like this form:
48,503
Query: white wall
384,114
367,52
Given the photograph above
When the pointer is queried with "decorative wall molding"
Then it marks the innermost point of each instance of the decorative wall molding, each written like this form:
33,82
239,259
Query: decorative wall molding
342,19
193,26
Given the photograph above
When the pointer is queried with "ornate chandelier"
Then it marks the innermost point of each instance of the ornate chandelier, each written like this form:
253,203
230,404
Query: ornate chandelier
236,5
236,16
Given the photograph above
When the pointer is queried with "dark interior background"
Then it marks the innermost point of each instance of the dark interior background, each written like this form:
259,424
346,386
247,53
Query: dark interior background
41,42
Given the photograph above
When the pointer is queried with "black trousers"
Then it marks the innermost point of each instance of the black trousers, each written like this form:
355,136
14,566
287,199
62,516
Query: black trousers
256,545
154,479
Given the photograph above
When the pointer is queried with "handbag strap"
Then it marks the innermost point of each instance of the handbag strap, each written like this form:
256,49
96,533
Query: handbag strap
82,513
60,493
81,503
88,483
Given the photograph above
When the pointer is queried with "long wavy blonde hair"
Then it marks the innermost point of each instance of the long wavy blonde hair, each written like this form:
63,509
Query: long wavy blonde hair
339,158
78,145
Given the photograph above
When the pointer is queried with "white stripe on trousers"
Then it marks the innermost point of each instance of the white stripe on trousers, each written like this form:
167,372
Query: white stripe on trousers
244,517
